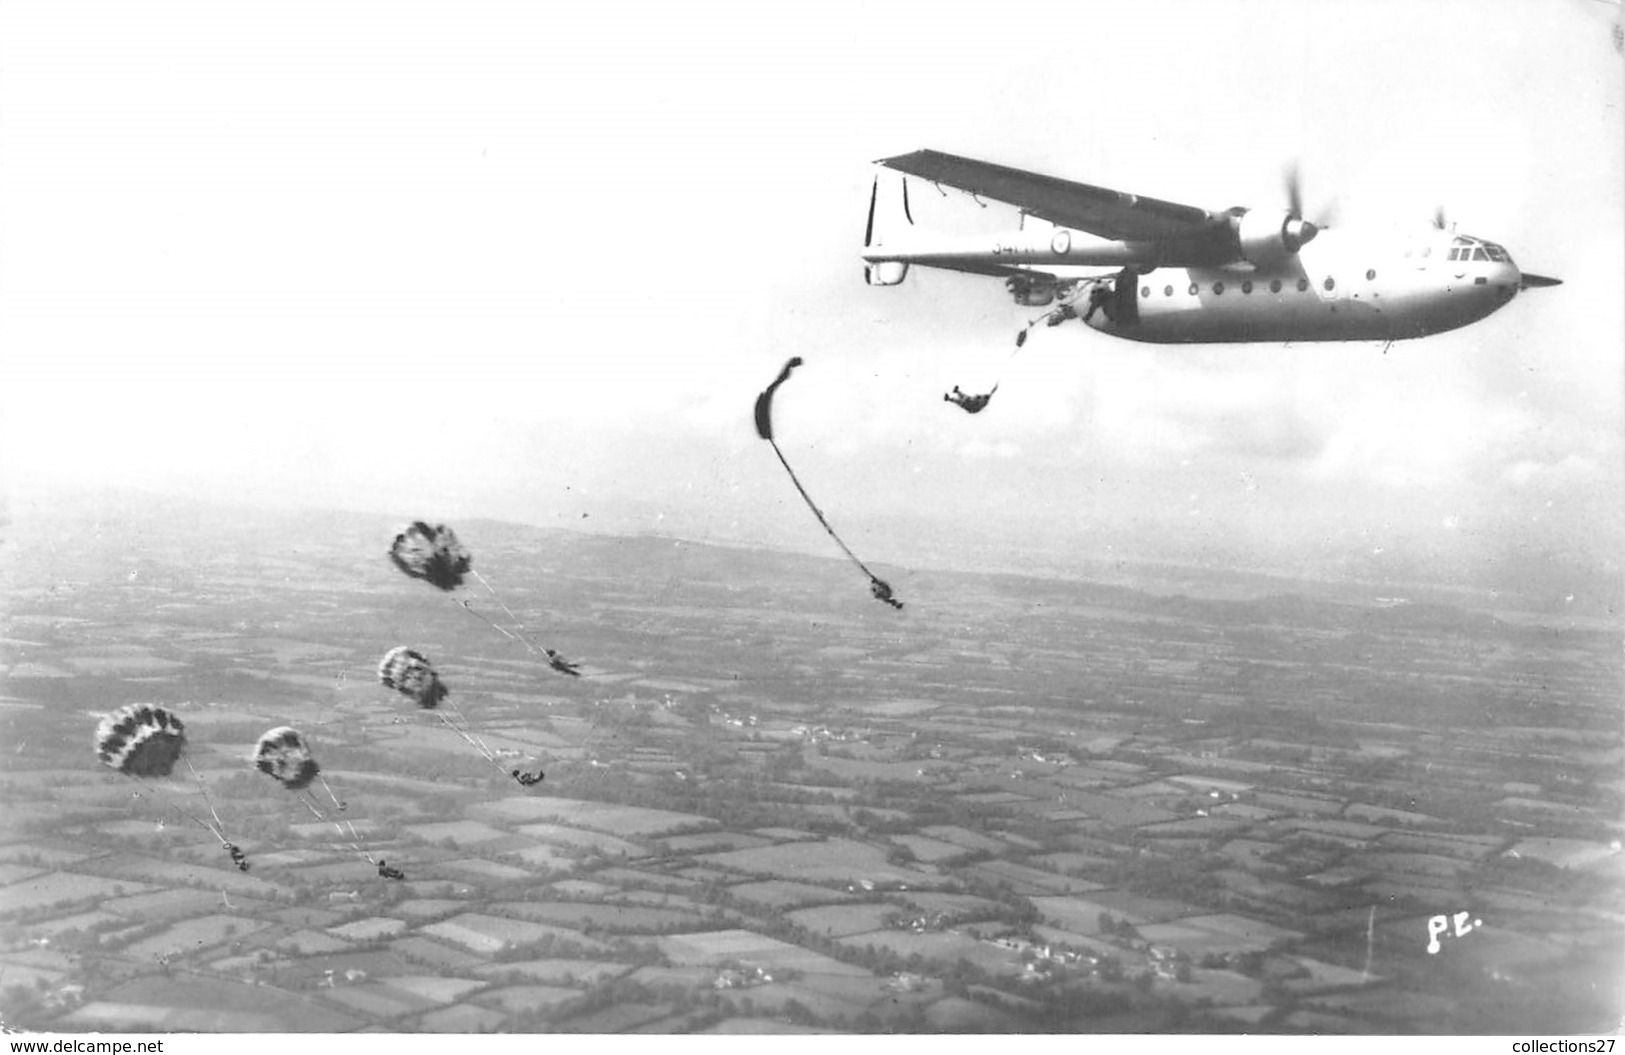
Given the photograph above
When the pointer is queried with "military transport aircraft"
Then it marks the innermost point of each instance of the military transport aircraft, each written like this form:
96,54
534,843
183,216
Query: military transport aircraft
1184,275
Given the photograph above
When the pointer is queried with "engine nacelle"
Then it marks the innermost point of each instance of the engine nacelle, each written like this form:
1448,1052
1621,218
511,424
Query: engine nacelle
1029,291
1267,238
885,273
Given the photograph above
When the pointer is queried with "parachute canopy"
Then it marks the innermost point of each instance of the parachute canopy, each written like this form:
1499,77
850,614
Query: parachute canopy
142,740
432,554
764,402
283,755
408,672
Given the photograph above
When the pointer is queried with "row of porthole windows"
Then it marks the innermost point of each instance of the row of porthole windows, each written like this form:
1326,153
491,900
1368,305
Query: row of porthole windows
1247,287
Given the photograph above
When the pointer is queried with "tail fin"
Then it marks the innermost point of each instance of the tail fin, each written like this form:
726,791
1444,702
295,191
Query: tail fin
884,272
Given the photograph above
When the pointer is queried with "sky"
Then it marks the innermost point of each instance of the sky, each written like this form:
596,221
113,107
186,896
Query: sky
534,262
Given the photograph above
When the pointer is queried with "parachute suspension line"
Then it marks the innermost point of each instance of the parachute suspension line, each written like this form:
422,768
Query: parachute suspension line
220,826
206,826
338,804
519,626
217,832
310,804
469,738
468,606
462,731
554,660
182,814
873,578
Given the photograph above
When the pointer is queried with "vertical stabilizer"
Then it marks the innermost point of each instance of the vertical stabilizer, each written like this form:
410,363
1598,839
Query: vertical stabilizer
888,210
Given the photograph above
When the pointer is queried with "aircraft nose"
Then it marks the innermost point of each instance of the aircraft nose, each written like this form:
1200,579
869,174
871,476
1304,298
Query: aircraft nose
1526,280
1505,276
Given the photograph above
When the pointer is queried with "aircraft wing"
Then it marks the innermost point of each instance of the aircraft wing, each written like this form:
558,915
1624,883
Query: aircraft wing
1101,212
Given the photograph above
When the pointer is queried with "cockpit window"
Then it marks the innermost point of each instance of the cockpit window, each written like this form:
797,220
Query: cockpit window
1464,248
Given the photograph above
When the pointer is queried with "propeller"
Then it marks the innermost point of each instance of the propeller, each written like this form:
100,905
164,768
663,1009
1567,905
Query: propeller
1298,232
1294,190
1438,218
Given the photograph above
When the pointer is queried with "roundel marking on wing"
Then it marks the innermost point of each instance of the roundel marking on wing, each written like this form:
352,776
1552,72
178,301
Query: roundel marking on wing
1062,242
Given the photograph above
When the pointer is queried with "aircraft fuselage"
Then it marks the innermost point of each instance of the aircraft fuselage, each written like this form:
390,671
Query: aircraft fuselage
1336,289
1346,285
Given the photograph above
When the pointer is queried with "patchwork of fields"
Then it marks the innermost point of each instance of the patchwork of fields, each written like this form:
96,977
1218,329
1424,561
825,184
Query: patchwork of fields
1129,812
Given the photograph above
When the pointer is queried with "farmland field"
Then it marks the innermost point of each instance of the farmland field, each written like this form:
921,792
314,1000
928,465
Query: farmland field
557,971
529,997
841,920
608,917
622,820
841,859
1023,805
782,893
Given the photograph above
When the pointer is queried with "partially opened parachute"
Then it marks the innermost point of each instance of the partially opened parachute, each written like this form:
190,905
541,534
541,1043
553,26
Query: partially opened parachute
283,755
141,740
432,554
408,672
764,400
878,587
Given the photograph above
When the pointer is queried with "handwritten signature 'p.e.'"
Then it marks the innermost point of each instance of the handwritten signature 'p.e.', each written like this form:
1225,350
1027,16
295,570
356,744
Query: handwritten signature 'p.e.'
1438,925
